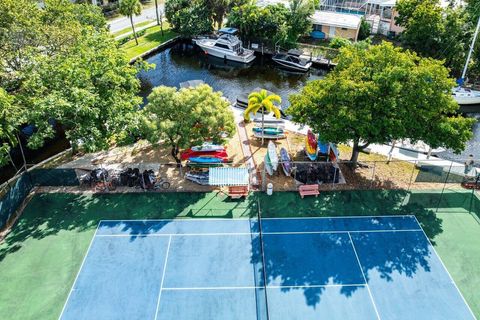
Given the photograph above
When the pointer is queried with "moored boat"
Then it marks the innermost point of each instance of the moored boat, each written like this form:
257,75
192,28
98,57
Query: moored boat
227,46
292,60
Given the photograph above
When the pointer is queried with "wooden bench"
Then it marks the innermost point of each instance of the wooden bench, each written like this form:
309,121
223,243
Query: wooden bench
308,190
238,192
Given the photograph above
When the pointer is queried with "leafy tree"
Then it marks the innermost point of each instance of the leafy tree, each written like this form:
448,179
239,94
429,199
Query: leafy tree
423,23
60,63
185,117
337,43
262,101
90,90
365,29
299,18
188,18
10,121
129,8
28,30
381,94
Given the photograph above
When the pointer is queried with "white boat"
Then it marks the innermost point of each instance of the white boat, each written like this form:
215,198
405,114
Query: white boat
268,165
269,120
268,136
465,96
228,47
272,155
292,60
208,147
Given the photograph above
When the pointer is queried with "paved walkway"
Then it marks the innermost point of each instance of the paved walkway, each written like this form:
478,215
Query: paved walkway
245,143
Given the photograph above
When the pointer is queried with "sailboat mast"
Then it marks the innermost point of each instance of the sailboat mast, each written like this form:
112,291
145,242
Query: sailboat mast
472,45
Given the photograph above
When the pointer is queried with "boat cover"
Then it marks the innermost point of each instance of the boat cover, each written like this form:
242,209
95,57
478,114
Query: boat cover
228,177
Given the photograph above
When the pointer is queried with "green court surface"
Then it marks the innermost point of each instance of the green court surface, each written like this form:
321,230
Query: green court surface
40,258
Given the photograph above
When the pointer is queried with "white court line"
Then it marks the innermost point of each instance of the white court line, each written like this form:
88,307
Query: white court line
78,272
176,219
249,233
183,219
163,278
268,287
444,267
364,277
176,234
341,217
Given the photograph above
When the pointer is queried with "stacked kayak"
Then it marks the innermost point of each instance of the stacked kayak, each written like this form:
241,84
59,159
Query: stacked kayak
200,178
286,162
273,128
269,132
208,147
206,153
311,146
271,158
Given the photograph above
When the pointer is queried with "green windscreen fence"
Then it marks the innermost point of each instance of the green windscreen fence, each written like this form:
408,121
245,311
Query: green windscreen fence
15,192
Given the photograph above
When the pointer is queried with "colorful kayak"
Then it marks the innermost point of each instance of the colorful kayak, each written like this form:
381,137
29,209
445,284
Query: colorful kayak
200,178
333,153
268,136
187,154
272,155
208,147
286,162
268,165
311,145
206,160
268,130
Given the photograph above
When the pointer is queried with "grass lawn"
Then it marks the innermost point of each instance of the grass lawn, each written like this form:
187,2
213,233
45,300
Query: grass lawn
129,29
150,40
41,256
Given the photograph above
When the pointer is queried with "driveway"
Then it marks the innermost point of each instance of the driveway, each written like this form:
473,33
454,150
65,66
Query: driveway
124,22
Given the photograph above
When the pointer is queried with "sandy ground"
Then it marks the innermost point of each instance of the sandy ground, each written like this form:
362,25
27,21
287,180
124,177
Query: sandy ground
374,172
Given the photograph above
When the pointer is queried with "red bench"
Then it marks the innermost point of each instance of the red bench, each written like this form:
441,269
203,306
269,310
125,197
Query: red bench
238,192
308,190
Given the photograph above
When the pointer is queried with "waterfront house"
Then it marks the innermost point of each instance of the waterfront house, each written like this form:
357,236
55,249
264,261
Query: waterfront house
329,24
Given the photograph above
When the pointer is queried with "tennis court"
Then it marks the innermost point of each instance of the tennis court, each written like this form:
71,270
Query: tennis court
270,268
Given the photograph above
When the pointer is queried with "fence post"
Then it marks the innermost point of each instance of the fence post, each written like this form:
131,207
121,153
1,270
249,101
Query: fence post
444,185
373,173
411,176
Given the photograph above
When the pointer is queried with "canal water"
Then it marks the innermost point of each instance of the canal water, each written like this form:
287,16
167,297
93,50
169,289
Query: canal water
185,62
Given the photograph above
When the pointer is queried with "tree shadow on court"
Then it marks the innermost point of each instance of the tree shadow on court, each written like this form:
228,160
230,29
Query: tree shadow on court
406,259
69,215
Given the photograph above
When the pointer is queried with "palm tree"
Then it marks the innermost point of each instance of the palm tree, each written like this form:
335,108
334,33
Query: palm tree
129,8
262,101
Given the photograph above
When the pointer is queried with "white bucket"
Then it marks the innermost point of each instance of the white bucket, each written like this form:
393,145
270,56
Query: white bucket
269,189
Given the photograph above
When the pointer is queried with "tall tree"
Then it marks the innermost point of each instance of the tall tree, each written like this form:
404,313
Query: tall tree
10,120
380,94
187,117
189,18
264,102
434,31
299,18
129,8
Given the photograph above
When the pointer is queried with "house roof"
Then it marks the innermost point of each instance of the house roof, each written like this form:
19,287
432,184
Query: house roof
335,19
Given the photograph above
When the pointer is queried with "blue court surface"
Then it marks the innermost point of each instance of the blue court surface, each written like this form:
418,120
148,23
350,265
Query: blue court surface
298,268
